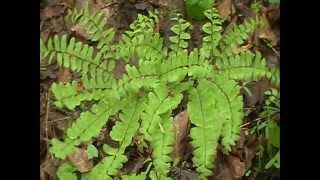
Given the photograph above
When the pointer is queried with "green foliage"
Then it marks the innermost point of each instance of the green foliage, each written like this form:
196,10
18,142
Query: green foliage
230,43
207,121
180,38
92,151
274,1
256,6
212,30
196,8
157,78
66,172
269,154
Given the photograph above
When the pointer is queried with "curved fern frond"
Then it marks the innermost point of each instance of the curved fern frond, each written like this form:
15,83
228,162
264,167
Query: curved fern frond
81,58
246,66
87,126
160,101
230,105
122,132
208,125
67,95
181,35
229,45
213,31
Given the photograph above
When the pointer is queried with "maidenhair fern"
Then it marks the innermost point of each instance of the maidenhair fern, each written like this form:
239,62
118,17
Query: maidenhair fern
157,78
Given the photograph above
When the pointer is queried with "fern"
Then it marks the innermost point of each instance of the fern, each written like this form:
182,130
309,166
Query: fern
207,128
156,80
212,32
92,24
141,41
66,172
231,41
180,37
68,95
123,133
87,126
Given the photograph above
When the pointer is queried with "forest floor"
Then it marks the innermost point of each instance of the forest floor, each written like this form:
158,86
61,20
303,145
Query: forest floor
122,12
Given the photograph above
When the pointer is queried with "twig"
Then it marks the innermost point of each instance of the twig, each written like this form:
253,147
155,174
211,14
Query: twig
47,115
59,119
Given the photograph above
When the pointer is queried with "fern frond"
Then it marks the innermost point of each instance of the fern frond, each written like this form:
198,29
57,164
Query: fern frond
160,101
66,172
174,69
274,76
230,105
213,31
162,145
93,23
235,37
246,66
68,96
87,126
122,132
181,35
79,57
208,125
141,40
134,177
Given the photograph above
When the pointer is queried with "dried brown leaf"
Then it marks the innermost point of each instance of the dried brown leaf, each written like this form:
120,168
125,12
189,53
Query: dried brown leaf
49,166
119,69
257,93
181,126
225,8
80,160
237,167
267,33
64,75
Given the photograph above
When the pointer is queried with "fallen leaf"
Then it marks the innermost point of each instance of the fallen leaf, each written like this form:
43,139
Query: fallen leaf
49,166
179,173
143,6
237,167
225,8
52,11
250,150
223,172
181,126
80,160
79,32
257,90
64,75
266,32
119,69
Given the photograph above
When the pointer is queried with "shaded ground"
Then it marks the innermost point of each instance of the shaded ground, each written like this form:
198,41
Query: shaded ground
122,13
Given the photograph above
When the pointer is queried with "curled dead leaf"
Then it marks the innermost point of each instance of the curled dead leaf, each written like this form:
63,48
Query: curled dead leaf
80,160
226,8
181,126
119,69
64,75
267,33
237,167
